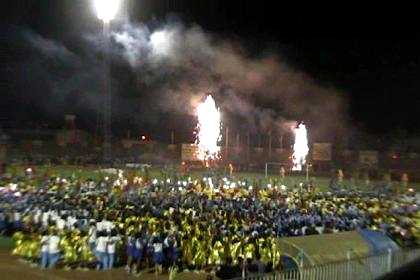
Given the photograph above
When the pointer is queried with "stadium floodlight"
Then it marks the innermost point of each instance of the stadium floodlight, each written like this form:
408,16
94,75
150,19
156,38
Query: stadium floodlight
107,9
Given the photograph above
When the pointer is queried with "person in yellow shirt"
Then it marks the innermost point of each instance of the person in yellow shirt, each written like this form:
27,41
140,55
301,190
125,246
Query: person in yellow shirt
217,253
249,250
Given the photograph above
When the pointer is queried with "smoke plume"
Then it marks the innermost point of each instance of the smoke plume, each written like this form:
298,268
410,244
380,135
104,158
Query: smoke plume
184,64
175,67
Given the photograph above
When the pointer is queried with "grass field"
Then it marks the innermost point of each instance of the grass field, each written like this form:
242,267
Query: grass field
6,243
321,183
12,268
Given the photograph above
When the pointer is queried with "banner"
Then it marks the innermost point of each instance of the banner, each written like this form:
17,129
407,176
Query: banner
322,152
189,152
368,157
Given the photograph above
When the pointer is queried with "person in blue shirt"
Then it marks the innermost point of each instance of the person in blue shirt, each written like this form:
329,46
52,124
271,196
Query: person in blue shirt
3,224
158,257
140,247
170,250
131,252
44,249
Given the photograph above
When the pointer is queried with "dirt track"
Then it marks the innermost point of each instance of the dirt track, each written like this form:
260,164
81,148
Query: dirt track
11,268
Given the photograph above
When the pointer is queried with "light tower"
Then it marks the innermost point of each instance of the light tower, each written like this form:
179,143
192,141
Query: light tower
106,11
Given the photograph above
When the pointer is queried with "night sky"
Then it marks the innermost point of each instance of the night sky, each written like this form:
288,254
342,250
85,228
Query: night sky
371,54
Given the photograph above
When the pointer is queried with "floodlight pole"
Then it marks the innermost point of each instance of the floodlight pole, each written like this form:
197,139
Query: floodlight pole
107,99
248,150
266,169
227,144
106,11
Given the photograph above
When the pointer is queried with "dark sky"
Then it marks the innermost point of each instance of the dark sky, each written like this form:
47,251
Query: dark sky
370,53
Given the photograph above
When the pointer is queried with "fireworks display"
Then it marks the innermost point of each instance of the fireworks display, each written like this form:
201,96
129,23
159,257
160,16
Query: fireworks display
300,147
208,129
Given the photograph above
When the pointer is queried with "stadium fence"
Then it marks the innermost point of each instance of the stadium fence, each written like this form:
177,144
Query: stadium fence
371,267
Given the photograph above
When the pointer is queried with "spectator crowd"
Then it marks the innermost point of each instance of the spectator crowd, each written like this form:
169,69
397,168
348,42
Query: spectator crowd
184,222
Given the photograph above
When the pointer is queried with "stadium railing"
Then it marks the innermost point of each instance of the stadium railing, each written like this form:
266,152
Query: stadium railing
296,253
371,267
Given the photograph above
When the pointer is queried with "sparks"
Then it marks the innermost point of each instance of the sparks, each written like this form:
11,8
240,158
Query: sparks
208,128
300,148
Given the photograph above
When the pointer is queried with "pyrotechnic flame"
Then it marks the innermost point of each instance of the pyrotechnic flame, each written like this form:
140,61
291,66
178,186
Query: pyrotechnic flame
208,129
300,148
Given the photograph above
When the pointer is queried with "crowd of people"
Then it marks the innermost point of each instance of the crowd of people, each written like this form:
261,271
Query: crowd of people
205,223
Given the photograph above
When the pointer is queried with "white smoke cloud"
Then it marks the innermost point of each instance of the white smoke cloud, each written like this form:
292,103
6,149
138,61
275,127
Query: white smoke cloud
135,41
183,63
50,48
178,64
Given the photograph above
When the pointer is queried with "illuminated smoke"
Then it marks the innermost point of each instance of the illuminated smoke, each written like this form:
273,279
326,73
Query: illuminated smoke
182,61
175,63
161,42
208,129
300,147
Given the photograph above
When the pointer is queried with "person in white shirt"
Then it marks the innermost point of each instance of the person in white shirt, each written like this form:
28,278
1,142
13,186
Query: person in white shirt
101,250
92,236
60,223
44,249
105,225
304,230
54,215
45,219
113,238
70,222
320,228
36,217
53,249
